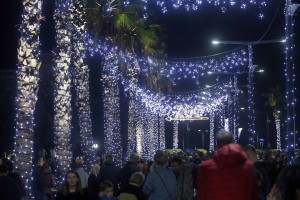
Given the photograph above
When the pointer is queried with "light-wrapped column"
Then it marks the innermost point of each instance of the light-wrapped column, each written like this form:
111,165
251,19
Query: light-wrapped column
162,138
211,131
131,139
27,77
147,146
290,81
235,109
62,100
175,136
111,101
277,123
251,118
155,140
81,81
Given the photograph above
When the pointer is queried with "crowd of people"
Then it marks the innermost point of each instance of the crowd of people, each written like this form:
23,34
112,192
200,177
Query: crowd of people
232,172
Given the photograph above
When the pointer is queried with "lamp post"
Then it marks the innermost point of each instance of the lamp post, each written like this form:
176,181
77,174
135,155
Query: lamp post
251,67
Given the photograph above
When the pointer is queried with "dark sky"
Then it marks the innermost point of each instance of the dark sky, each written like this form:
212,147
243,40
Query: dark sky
189,35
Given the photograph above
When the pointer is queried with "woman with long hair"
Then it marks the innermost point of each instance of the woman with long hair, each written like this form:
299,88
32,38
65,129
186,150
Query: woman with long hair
287,186
71,189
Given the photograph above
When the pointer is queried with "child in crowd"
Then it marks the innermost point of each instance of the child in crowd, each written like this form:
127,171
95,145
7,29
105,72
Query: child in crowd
106,191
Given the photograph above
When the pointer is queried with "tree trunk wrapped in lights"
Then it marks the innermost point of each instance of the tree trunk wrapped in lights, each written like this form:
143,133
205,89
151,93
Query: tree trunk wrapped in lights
131,139
132,111
81,80
162,138
212,131
28,78
276,115
111,101
155,133
175,136
147,138
139,133
62,100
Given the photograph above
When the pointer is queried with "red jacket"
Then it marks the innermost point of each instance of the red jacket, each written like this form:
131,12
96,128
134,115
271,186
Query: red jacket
228,176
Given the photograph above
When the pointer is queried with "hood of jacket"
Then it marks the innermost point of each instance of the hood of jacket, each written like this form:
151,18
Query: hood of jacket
230,154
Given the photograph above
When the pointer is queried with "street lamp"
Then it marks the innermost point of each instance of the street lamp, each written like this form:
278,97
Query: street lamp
252,67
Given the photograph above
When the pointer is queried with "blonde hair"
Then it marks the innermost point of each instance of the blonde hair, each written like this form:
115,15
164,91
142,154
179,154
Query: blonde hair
95,166
137,179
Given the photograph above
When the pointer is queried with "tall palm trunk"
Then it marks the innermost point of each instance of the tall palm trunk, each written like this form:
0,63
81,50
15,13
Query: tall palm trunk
62,100
27,77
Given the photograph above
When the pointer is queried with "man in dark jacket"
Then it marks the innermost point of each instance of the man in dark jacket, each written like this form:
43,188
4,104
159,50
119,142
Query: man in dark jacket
229,174
9,188
109,172
262,172
128,169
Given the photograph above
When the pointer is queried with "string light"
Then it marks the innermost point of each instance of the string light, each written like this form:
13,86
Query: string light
290,81
111,103
211,131
195,5
277,123
81,82
162,139
27,77
62,96
146,136
175,69
175,136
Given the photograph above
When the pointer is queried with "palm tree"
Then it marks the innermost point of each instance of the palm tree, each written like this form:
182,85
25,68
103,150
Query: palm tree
274,101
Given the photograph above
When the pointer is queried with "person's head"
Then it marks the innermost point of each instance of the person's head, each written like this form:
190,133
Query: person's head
107,188
96,169
134,158
223,138
72,179
176,164
79,162
108,158
143,166
40,161
288,183
251,152
160,158
137,179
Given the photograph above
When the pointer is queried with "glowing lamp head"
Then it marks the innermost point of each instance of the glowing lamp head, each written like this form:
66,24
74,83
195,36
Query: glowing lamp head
215,42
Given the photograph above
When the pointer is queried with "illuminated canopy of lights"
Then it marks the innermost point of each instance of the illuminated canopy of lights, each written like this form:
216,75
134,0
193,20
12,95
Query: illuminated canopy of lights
233,61
194,5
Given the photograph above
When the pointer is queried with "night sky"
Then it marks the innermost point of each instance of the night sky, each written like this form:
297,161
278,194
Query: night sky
188,35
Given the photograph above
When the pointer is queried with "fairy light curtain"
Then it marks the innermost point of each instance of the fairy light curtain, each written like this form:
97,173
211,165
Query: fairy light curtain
81,82
62,93
27,80
175,69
